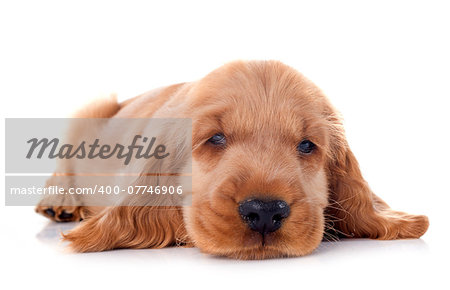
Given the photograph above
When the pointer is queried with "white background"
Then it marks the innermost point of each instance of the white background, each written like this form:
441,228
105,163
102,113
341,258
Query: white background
385,65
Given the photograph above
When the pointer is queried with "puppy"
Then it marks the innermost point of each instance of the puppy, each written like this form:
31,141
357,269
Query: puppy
272,173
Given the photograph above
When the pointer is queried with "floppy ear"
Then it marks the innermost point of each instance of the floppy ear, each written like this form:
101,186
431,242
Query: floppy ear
143,219
354,210
136,227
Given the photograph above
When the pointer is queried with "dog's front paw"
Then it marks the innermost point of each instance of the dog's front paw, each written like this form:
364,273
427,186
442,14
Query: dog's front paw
61,213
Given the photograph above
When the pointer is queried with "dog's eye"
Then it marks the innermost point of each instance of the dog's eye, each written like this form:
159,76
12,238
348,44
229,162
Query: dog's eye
218,140
306,147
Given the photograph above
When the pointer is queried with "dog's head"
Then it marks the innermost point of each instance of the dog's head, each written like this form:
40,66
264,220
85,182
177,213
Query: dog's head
271,167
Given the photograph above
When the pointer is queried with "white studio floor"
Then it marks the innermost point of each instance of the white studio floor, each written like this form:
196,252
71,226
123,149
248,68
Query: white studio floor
33,257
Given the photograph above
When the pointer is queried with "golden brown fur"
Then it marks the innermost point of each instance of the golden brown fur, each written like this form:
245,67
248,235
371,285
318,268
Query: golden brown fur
264,108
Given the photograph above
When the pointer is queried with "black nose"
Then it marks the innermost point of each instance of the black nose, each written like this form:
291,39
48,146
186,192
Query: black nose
264,216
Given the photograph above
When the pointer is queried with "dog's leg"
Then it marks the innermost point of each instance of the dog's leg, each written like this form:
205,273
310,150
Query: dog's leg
69,207
61,207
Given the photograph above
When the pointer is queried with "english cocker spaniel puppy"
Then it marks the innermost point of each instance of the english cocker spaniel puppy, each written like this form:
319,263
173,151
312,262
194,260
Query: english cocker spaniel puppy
272,172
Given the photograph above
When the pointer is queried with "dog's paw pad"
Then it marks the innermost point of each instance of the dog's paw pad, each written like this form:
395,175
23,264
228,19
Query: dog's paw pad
60,213
65,216
50,212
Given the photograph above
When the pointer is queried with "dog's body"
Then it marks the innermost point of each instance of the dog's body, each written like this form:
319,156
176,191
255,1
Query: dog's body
271,171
